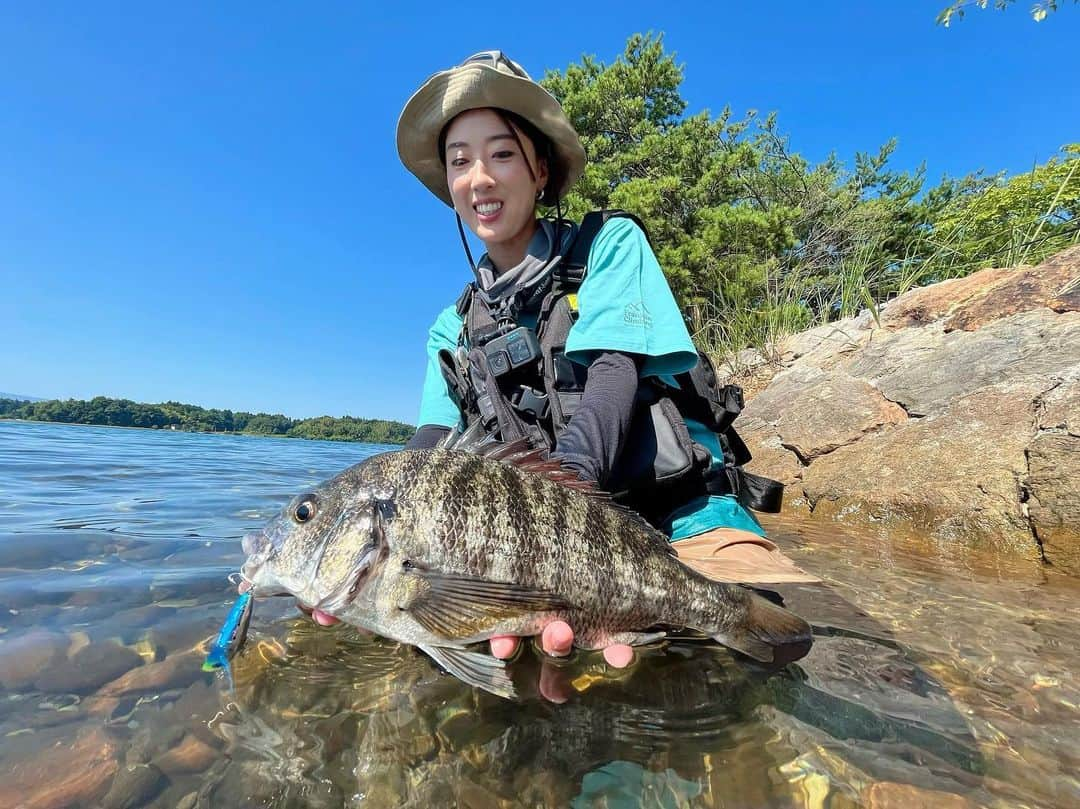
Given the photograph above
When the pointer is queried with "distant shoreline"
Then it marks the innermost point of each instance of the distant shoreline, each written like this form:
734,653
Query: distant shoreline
103,411
196,432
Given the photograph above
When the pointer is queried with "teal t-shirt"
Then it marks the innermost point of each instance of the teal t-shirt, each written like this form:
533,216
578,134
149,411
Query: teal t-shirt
436,406
624,304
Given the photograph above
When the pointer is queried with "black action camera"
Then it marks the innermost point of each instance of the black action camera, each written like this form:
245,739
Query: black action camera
512,350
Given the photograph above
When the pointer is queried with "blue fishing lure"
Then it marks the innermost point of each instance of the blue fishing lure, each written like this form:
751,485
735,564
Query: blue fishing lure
232,634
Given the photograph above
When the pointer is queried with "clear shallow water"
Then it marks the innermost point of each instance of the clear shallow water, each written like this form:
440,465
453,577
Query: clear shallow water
940,677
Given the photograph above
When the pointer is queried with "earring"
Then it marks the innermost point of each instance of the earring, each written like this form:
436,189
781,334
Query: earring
539,194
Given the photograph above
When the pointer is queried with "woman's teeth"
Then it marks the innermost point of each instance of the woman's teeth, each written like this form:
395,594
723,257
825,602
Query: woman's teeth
488,208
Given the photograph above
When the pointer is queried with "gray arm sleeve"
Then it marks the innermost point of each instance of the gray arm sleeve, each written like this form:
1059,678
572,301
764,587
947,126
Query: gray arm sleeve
592,441
427,436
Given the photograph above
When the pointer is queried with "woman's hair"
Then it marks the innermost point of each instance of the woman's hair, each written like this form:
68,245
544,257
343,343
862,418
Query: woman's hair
542,145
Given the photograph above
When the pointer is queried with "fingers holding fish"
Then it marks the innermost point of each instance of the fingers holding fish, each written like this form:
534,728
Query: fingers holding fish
619,655
325,619
322,618
504,647
557,639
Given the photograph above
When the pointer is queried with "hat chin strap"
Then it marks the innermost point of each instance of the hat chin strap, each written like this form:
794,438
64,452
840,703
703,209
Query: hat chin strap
465,242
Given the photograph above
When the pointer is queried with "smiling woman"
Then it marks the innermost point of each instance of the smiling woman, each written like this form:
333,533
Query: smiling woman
568,337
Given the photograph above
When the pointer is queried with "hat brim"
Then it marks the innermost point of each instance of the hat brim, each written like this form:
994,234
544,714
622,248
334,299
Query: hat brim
473,86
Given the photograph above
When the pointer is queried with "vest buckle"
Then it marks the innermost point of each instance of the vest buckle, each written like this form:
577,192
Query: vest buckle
531,401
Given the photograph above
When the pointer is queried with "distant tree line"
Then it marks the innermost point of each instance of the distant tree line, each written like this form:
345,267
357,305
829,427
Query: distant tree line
108,412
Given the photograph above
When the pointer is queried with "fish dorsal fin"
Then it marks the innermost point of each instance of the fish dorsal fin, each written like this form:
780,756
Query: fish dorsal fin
521,455
539,462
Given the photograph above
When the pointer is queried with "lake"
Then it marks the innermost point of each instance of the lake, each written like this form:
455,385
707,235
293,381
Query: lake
941,675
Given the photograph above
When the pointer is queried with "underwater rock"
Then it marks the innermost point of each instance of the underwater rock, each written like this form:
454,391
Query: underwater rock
133,786
1052,483
190,755
815,411
986,372
24,658
188,801
56,773
889,795
88,669
177,671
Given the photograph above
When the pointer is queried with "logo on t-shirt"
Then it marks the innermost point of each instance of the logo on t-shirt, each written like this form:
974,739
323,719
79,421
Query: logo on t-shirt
635,314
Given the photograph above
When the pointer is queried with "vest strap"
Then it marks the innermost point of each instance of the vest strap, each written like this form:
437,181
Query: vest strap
465,299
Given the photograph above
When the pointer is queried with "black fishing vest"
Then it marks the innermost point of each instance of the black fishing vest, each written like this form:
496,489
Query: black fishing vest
519,384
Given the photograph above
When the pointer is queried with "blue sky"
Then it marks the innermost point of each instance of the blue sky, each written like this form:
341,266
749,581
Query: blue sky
206,205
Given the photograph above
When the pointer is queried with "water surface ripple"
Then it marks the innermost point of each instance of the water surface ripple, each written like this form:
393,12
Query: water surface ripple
941,675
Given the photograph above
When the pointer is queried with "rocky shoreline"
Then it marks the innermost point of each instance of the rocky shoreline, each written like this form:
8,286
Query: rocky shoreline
956,412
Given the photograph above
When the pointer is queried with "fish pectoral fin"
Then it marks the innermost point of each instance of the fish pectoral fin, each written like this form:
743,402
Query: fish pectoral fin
464,606
474,668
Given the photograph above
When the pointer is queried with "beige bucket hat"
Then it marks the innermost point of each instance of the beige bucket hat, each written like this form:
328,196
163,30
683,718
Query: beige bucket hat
487,79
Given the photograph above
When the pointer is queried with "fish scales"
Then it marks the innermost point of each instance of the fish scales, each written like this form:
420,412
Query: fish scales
442,548
505,509
523,506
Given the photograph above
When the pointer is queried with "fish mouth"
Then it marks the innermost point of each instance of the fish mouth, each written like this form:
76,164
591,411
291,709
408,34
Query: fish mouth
256,570
249,581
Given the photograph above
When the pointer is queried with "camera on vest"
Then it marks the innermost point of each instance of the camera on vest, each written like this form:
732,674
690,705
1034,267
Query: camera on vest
512,350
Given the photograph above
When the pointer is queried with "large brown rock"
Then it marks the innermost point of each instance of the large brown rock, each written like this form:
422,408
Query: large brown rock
824,346
957,412
930,304
955,475
814,411
1050,285
1053,484
924,370
61,773
771,458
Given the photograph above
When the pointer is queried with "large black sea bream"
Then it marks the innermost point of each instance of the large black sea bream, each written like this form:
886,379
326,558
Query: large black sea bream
443,548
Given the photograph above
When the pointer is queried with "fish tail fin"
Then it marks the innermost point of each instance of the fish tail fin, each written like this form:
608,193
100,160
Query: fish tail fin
768,633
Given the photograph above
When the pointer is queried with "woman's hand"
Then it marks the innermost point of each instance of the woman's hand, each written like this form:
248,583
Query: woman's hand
557,640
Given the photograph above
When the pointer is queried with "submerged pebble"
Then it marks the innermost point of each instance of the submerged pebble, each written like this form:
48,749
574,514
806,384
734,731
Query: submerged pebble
190,755
890,795
88,669
133,786
24,658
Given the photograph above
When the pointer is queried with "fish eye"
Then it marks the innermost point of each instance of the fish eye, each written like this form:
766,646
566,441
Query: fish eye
305,511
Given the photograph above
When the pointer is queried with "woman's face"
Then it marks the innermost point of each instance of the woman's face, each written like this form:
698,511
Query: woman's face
489,180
